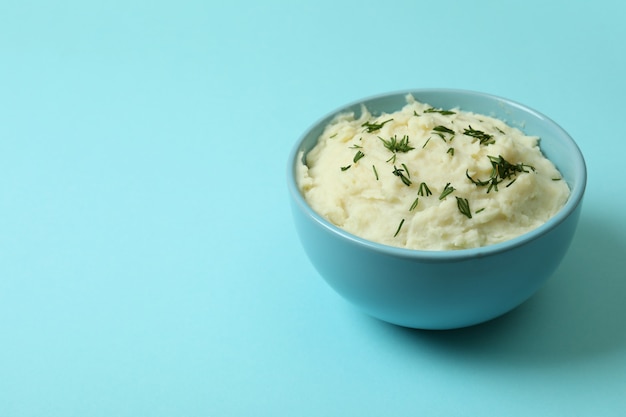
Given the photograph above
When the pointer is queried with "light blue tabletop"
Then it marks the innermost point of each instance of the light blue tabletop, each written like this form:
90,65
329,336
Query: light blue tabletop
148,261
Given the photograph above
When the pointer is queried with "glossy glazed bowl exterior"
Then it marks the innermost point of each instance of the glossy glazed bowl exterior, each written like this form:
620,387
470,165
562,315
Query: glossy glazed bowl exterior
442,289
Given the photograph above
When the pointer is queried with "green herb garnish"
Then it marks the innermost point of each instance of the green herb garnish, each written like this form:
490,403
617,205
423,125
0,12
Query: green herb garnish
450,151
440,130
424,190
414,204
399,227
479,210
426,143
347,167
443,129
446,191
400,173
501,170
358,156
484,138
408,174
395,145
375,172
372,127
440,111
463,206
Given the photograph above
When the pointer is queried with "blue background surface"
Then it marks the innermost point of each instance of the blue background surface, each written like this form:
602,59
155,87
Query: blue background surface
148,261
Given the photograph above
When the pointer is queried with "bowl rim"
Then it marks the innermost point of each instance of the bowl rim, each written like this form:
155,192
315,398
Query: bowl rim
576,191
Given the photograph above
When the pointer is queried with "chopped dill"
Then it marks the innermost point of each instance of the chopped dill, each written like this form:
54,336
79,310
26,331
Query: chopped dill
399,227
400,173
484,138
372,127
501,170
424,190
442,129
395,145
408,174
464,207
440,111
447,190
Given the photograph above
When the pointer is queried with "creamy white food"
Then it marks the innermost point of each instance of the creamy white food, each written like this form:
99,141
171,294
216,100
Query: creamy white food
430,179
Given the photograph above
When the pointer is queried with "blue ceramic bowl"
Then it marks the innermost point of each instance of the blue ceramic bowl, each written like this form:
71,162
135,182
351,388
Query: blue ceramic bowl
442,289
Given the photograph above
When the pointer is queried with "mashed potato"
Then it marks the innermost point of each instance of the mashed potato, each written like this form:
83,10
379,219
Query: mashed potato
430,179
